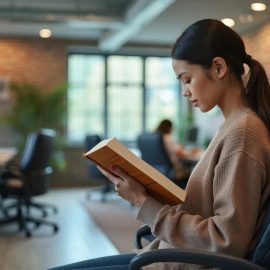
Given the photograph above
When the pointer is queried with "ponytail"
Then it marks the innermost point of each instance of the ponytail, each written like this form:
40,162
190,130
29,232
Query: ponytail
202,41
258,91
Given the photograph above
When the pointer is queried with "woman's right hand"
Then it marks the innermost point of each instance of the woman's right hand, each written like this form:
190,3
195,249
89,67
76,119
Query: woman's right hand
126,186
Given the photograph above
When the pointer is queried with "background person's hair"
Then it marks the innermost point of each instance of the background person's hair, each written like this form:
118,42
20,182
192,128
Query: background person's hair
206,39
164,127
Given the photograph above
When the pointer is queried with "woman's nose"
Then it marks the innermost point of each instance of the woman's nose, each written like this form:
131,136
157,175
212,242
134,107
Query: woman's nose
185,92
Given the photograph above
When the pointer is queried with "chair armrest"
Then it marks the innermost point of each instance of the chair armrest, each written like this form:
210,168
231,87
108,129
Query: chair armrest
47,171
211,259
143,231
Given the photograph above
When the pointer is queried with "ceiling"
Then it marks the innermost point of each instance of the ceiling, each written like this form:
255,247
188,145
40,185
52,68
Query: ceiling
113,23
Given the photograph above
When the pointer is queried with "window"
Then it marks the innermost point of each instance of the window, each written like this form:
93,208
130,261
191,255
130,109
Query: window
162,92
119,96
125,92
85,96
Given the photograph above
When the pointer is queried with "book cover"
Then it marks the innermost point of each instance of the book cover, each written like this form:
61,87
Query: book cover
111,152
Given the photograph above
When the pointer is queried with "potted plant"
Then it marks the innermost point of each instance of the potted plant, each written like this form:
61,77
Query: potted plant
34,108
185,122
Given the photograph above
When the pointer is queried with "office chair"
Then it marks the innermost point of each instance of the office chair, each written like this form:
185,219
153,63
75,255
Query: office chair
258,258
30,179
12,171
191,135
93,172
153,151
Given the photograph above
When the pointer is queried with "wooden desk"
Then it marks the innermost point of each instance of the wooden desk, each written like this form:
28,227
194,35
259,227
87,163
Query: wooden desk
6,154
191,162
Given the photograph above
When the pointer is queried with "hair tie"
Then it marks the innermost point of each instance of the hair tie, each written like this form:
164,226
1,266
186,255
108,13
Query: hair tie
245,76
247,59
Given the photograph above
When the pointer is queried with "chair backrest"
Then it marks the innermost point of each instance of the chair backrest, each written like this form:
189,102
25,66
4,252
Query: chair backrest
90,141
38,150
153,151
260,254
191,135
35,161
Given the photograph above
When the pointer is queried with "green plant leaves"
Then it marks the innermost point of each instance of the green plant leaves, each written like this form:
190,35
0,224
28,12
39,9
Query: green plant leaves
34,108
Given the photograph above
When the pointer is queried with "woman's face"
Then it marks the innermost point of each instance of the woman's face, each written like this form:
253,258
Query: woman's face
202,87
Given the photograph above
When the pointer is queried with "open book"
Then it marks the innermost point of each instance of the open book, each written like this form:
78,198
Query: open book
111,152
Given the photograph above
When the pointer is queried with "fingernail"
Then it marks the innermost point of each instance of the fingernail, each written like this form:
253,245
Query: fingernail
113,167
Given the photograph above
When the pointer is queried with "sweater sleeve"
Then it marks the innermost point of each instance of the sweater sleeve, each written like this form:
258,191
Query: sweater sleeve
237,187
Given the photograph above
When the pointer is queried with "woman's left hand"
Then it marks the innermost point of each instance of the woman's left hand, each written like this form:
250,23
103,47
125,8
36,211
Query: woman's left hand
126,186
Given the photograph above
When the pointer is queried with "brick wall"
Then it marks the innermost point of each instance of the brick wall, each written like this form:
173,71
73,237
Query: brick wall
40,62
258,46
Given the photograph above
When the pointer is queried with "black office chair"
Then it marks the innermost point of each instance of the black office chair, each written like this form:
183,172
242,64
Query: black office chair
258,257
12,171
191,135
93,172
153,151
30,179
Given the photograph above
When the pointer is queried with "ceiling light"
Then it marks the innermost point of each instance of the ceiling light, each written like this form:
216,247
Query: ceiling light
228,21
45,33
258,6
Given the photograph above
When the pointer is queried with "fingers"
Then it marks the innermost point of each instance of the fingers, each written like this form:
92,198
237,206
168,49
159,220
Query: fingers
102,170
118,177
117,187
110,176
122,174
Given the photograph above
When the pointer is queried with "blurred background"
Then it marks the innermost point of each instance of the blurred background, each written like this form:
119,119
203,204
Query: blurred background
103,67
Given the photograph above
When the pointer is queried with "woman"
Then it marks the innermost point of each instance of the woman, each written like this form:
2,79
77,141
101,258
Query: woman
165,128
229,186
176,151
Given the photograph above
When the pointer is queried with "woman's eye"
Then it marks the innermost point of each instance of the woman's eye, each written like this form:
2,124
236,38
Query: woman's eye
186,81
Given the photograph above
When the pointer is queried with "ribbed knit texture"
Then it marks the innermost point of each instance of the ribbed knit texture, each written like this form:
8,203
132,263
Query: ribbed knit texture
225,195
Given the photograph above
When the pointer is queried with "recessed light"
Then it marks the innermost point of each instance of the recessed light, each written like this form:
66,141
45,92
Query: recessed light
45,33
228,21
258,6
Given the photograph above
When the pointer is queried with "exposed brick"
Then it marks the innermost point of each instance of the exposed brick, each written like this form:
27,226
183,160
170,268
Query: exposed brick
40,62
258,44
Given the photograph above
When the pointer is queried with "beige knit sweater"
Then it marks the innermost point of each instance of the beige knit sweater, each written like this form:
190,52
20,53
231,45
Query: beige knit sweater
225,195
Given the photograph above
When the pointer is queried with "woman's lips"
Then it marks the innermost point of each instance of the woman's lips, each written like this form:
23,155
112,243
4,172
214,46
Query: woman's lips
194,102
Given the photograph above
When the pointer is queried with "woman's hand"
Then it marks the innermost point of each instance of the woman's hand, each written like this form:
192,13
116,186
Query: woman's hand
126,186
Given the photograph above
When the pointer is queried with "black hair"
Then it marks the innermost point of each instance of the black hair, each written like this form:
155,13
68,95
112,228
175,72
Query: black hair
206,39
164,127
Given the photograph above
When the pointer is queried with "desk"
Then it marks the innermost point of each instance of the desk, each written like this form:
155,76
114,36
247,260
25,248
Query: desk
5,154
190,162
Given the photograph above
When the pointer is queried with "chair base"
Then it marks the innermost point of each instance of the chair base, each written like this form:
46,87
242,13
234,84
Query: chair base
22,220
39,206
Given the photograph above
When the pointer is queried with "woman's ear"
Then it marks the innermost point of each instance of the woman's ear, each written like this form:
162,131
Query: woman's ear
219,66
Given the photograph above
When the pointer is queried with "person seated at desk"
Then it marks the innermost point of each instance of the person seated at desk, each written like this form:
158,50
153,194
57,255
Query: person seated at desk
175,150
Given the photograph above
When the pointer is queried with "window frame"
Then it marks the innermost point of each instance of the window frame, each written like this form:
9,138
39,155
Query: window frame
144,55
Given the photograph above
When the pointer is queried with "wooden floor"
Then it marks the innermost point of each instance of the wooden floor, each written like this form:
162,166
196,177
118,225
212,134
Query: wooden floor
78,238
